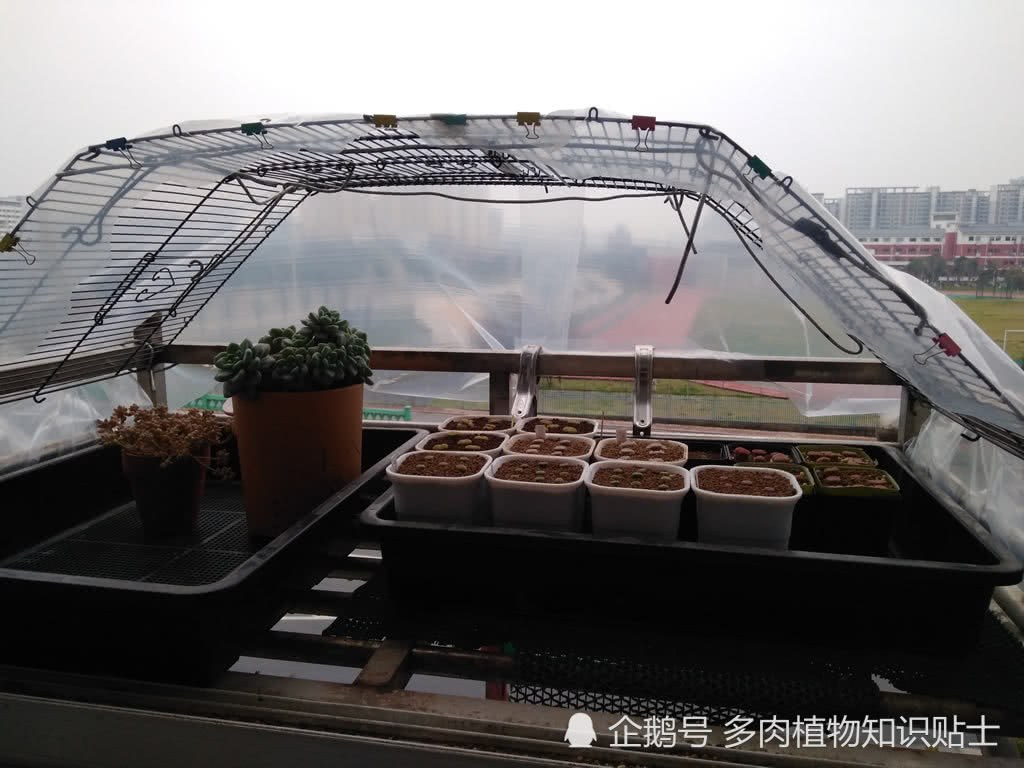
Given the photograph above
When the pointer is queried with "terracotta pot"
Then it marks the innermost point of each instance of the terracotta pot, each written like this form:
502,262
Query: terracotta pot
296,449
167,499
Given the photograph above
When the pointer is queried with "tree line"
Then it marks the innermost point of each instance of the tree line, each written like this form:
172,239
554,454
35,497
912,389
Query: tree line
996,281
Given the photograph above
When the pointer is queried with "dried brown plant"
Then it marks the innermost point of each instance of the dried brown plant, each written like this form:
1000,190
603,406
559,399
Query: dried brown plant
155,431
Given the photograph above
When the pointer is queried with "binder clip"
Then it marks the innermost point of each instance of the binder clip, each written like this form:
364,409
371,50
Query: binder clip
451,120
259,131
943,345
532,121
9,243
122,147
759,166
644,124
384,121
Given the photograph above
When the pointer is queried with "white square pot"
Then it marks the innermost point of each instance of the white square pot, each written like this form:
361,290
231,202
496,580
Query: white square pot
440,499
603,444
649,514
451,424
748,521
528,424
543,506
508,450
459,435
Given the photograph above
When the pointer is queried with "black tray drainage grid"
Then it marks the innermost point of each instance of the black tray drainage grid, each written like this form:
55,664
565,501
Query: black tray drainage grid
112,547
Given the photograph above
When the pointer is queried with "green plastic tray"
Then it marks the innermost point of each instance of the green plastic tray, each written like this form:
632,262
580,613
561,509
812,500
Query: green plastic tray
821,470
801,451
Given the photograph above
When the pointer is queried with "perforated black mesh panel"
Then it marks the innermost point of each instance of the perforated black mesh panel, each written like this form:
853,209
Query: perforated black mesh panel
718,678
113,547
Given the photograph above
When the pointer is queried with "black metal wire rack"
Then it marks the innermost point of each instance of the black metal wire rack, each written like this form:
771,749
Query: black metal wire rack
129,241
593,668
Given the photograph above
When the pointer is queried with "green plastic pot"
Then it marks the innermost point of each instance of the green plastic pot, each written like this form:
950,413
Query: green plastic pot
820,472
801,452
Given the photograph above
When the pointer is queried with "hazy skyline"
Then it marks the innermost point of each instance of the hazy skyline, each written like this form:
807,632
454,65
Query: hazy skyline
873,93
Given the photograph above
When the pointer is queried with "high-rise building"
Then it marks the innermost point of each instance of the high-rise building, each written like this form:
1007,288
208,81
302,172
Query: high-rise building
1008,202
835,206
887,207
11,211
963,207
871,208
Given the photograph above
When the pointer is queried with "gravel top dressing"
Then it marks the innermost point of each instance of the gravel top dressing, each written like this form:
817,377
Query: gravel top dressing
643,450
533,471
478,442
430,464
550,446
562,426
844,477
744,482
482,423
647,479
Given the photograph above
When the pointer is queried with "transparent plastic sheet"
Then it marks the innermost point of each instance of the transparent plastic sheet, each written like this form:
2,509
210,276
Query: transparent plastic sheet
986,480
186,383
857,300
574,275
30,431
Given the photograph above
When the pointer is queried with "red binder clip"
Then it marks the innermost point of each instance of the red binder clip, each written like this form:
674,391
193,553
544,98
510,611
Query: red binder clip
643,123
947,345
944,344
646,124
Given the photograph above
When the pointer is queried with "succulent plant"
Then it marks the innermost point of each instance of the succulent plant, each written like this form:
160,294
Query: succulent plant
325,353
278,338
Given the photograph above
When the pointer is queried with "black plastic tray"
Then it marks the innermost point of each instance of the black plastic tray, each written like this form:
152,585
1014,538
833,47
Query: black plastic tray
931,590
95,596
723,455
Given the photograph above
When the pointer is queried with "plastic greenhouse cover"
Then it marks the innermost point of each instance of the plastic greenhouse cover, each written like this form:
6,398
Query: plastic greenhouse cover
574,275
984,479
418,270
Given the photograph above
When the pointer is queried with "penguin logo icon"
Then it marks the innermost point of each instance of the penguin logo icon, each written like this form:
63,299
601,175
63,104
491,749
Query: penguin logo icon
580,732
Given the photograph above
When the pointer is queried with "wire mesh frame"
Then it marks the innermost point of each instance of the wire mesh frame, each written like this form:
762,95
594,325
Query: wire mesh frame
310,173
377,158
73,348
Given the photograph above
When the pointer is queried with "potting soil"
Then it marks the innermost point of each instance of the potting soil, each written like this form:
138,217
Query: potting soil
482,423
643,478
744,482
844,477
550,446
532,471
643,450
564,426
480,441
431,464
837,456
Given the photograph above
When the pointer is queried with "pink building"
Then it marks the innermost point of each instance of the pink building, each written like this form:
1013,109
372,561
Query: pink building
987,243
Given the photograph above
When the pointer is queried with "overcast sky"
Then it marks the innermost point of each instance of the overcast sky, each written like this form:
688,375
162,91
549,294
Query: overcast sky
835,93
